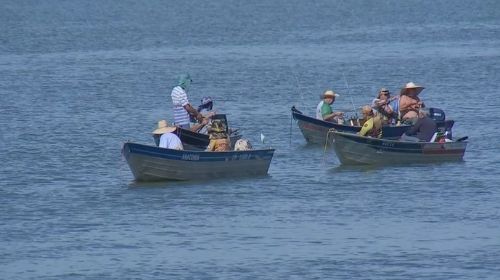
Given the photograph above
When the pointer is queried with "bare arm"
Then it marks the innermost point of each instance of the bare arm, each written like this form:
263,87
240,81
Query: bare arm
193,112
198,126
330,117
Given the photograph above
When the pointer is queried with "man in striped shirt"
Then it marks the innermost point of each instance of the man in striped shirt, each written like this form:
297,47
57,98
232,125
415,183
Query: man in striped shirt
182,107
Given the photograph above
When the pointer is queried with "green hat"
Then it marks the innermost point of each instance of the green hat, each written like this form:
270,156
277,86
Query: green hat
185,80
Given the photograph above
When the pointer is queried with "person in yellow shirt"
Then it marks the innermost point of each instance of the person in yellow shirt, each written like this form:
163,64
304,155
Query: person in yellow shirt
373,124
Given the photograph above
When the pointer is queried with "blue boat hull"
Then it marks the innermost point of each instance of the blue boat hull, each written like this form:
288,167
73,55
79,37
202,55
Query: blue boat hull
150,163
316,131
355,149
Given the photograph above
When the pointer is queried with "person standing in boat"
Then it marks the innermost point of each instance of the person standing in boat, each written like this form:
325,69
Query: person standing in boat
422,130
182,107
168,139
383,107
409,102
324,109
373,125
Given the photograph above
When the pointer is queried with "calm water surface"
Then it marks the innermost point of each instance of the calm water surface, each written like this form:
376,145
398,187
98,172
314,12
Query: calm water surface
77,79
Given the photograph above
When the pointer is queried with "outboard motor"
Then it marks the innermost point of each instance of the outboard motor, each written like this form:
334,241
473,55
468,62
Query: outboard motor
444,126
437,114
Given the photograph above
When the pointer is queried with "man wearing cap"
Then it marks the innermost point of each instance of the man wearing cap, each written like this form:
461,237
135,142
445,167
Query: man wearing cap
422,130
409,102
324,110
382,104
168,139
182,107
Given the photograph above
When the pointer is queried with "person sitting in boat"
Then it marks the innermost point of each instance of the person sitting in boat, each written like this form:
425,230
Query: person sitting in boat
409,102
324,110
219,140
242,145
168,139
372,127
422,130
206,105
182,107
383,107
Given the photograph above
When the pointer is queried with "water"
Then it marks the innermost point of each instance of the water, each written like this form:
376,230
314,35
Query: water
79,78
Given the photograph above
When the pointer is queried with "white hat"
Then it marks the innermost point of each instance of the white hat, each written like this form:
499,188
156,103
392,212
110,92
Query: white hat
163,127
411,85
330,93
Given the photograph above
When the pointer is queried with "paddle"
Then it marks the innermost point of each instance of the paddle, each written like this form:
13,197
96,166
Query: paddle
462,138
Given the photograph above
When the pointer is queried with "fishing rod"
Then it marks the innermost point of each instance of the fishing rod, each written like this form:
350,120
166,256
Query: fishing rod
299,90
349,93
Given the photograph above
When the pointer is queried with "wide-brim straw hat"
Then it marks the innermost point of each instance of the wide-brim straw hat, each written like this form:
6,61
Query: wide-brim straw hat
163,127
411,85
330,93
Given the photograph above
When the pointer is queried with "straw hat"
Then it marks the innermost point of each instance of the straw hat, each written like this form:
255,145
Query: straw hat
330,93
163,127
411,85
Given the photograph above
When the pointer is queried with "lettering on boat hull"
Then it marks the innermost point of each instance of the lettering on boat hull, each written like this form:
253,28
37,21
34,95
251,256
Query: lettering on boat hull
192,157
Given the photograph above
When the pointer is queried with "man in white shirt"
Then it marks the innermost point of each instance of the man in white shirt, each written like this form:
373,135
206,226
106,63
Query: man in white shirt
168,139
171,141
182,107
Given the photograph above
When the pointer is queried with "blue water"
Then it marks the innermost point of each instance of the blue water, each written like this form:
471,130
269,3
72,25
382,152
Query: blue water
78,78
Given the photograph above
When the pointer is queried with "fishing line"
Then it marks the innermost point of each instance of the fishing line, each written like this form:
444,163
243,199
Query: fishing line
291,123
350,96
